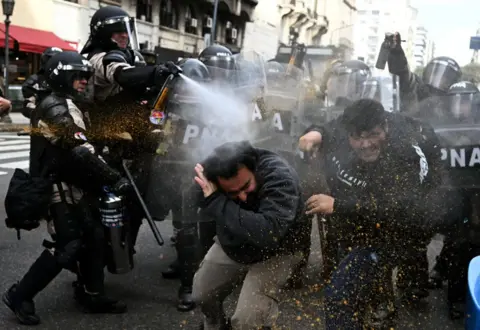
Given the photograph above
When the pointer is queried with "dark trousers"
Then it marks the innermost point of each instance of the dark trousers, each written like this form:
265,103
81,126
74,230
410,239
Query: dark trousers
79,241
353,285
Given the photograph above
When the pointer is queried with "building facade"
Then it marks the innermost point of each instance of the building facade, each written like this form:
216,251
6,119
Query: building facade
171,28
341,16
420,48
263,34
302,21
377,17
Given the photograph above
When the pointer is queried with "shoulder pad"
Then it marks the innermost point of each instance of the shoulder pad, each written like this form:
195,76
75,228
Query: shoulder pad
53,103
115,56
32,80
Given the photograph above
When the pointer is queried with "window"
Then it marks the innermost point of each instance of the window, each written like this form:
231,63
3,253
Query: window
168,14
73,1
191,22
144,10
375,12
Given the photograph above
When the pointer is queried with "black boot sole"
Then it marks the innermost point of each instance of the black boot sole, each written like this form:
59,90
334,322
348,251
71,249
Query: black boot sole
21,318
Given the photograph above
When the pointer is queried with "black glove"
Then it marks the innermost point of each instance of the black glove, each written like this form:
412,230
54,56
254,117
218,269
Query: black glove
173,68
122,186
397,61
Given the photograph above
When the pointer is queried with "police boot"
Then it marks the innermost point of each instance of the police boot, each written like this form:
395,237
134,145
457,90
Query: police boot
172,271
185,299
98,303
19,298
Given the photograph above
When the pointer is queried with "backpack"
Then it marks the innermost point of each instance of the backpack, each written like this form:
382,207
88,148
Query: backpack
27,201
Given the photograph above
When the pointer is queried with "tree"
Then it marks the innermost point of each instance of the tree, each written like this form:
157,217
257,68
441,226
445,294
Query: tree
471,72
419,70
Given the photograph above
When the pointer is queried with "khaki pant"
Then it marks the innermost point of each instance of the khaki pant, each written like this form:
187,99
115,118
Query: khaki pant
257,305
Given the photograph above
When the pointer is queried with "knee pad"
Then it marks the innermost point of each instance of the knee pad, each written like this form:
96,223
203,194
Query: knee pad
68,254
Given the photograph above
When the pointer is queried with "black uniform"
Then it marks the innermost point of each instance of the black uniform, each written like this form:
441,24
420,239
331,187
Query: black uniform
35,88
61,152
121,79
190,246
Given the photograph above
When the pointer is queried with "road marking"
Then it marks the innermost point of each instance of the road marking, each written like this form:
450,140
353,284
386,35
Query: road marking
11,142
15,137
3,173
16,147
11,155
23,164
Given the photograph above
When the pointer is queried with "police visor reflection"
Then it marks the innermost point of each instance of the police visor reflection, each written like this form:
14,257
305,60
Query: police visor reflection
464,102
346,82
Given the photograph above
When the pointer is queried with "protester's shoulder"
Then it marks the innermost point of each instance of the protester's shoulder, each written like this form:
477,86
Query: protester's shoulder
274,168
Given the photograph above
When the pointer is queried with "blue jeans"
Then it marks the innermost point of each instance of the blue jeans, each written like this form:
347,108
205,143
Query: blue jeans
351,286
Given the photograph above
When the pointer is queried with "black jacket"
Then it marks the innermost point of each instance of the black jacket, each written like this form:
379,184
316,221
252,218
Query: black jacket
399,191
60,148
273,223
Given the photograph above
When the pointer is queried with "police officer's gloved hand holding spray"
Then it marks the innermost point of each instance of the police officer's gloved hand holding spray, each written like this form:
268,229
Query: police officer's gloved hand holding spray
391,52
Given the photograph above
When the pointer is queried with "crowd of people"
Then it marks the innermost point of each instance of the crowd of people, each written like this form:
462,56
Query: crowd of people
386,193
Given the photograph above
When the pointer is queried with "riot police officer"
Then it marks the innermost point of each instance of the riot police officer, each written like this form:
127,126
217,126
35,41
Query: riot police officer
121,81
439,74
35,87
175,190
461,236
61,153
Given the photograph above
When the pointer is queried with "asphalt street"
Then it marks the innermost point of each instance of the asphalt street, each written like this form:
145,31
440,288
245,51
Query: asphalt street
151,299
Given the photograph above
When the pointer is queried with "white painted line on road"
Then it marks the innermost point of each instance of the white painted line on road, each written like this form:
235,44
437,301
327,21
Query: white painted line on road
17,147
3,173
11,155
23,164
15,137
11,142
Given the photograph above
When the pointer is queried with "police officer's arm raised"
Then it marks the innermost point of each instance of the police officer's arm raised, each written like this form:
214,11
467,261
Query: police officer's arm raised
117,69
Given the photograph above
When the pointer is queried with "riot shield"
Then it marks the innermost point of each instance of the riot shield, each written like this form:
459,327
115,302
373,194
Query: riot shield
384,89
205,114
459,136
283,108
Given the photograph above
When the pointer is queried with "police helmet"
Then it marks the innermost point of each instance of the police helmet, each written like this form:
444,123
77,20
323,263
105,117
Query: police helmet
63,69
346,81
441,72
219,60
47,54
105,22
194,69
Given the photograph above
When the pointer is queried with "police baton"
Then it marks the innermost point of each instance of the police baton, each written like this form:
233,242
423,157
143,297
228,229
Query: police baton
153,226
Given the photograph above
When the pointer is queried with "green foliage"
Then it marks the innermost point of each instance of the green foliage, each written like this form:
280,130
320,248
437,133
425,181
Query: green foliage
471,72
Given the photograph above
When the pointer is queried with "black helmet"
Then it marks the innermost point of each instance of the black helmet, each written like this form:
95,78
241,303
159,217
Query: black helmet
463,87
63,69
194,69
104,23
441,72
47,54
464,101
219,60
